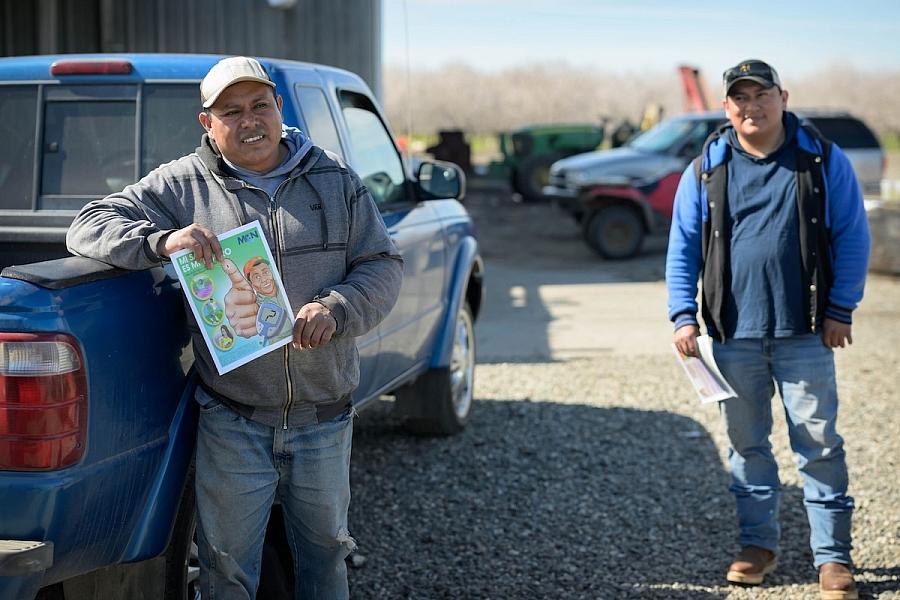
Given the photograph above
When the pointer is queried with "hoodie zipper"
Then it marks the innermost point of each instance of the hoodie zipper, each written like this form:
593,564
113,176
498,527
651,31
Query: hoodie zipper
273,216
273,220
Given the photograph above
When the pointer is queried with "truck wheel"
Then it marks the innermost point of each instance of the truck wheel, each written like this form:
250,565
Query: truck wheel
440,400
182,561
614,232
532,175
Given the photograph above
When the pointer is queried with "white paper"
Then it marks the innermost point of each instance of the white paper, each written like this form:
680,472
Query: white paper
704,374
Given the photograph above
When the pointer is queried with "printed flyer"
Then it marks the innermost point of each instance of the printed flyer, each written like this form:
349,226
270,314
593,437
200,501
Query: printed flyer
704,374
251,276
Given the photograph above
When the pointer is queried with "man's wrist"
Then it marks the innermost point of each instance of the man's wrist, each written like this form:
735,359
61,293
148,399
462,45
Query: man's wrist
839,314
334,309
684,319
158,240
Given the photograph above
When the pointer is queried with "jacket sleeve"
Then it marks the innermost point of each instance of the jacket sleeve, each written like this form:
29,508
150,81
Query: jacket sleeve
375,269
683,257
123,229
850,240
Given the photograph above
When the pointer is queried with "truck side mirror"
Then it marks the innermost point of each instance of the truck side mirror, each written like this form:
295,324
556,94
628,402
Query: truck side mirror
437,180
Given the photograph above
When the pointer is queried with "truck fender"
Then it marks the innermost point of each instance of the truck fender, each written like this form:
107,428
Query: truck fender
468,267
662,199
154,528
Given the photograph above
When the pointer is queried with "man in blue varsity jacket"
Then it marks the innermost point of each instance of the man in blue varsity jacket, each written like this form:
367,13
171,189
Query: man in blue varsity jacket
771,218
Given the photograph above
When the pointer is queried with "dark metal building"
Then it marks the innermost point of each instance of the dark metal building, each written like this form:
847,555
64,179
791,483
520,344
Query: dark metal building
342,33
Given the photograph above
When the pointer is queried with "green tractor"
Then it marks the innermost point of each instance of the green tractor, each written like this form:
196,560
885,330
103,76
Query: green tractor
528,153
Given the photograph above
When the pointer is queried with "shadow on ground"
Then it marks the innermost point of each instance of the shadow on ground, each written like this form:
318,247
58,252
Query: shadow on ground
878,581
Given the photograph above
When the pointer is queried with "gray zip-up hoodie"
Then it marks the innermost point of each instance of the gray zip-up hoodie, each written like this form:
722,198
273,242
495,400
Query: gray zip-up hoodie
328,239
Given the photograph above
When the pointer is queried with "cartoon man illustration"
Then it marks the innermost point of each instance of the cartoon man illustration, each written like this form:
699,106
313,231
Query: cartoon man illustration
259,274
267,307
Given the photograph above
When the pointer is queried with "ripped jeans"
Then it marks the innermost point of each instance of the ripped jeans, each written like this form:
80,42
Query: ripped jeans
242,466
802,369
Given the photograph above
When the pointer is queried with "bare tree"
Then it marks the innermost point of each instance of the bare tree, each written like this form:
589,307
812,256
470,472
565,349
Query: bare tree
460,96
869,95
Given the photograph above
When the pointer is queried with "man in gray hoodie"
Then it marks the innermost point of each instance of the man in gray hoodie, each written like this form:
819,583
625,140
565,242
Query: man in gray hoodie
280,425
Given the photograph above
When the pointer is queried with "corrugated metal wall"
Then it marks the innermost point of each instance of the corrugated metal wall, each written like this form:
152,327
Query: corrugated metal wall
342,33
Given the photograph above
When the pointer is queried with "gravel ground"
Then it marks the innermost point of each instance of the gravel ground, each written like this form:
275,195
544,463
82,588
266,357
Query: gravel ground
590,470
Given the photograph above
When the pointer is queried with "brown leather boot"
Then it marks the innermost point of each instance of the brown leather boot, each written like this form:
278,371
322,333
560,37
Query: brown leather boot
836,582
751,565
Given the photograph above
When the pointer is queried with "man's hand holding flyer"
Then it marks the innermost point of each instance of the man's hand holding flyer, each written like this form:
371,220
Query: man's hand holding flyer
703,372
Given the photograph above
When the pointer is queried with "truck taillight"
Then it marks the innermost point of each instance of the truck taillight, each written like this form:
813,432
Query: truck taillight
43,402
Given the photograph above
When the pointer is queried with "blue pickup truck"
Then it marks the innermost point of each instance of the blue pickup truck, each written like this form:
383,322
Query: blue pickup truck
97,421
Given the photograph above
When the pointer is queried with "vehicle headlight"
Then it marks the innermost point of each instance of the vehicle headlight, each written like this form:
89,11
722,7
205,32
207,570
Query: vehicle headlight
577,178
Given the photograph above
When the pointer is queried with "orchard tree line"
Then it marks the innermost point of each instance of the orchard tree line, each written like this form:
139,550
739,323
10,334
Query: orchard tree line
464,97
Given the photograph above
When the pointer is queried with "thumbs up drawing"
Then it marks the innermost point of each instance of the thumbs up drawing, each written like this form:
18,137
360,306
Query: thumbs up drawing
240,301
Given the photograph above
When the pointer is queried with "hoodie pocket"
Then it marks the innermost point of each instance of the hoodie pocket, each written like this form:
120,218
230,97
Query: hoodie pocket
328,373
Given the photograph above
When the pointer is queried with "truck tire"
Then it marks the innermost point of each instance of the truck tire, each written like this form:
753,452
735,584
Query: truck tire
532,175
439,401
614,232
182,561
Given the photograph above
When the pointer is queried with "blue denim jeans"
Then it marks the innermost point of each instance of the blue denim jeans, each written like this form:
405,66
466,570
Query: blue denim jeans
242,466
802,369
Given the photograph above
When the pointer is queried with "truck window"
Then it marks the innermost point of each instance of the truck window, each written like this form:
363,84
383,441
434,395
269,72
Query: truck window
88,151
663,138
18,105
319,121
848,133
375,157
89,140
693,143
170,127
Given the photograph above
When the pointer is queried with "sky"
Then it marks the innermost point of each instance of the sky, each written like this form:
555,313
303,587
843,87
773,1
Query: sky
799,38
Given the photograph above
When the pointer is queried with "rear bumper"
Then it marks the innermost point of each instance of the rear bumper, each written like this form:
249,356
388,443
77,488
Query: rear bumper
18,557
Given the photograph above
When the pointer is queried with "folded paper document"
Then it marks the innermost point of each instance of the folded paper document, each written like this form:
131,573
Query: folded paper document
704,374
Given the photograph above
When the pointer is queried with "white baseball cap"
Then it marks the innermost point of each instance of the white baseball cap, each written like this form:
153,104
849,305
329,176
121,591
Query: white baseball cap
229,71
